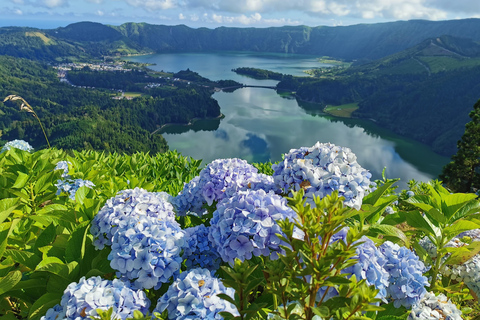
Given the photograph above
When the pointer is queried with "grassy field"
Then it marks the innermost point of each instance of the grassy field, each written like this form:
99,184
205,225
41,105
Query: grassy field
344,110
44,38
133,94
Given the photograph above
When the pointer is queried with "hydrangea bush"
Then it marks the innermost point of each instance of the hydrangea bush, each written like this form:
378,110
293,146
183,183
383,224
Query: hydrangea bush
252,246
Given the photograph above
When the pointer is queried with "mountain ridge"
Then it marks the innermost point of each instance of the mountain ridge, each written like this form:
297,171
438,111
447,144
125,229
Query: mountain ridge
361,42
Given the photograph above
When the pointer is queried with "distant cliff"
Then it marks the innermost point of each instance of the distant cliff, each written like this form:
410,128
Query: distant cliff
363,42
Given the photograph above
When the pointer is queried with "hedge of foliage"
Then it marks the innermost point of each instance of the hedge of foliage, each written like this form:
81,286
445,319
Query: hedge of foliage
108,236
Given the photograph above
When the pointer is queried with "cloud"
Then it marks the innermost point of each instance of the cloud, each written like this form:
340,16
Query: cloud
154,5
54,3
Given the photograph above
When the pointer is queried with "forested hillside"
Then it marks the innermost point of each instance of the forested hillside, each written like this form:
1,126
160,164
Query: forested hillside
425,92
87,118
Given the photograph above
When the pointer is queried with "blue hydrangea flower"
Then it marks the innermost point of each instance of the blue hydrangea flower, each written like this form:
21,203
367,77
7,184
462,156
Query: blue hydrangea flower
127,203
199,252
71,186
18,144
212,183
148,250
432,307
322,169
63,165
246,225
193,295
407,283
370,266
190,199
410,193
81,300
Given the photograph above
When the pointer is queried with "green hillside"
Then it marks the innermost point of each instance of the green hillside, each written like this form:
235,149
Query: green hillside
425,92
76,117
433,55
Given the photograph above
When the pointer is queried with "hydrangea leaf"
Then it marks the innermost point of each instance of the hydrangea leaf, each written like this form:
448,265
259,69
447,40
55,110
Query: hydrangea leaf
463,254
6,207
9,281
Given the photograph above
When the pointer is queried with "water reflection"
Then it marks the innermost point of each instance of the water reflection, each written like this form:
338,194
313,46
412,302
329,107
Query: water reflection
259,125
196,126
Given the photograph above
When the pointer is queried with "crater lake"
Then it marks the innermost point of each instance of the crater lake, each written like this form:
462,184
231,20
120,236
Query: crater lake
260,124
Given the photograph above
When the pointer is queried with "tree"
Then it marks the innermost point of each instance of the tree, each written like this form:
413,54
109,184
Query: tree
462,174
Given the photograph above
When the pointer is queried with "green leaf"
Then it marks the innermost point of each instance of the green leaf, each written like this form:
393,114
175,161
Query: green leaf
6,229
463,254
43,183
321,311
373,197
460,226
29,259
391,231
41,306
75,249
6,207
9,281
418,221
81,194
21,180
46,237
454,202
46,263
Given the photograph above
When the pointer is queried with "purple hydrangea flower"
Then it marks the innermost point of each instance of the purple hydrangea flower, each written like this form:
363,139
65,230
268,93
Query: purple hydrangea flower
407,283
128,203
81,300
432,307
193,295
322,169
246,225
199,252
17,144
212,184
147,250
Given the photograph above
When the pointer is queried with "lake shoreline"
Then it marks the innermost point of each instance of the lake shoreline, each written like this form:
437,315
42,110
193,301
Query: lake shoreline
190,123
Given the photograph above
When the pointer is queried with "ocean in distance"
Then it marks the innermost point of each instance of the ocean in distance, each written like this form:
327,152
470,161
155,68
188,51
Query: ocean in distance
261,125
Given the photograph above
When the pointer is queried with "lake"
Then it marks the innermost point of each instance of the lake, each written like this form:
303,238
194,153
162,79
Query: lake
260,124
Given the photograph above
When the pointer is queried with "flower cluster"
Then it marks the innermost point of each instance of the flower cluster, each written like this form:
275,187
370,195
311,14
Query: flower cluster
246,224
147,250
63,165
128,203
71,186
190,199
18,144
432,307
198,251
407,283
193,295
211,184
370,266
322,169
81,300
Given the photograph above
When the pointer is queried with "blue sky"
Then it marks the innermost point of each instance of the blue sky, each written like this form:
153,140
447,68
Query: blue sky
230,13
